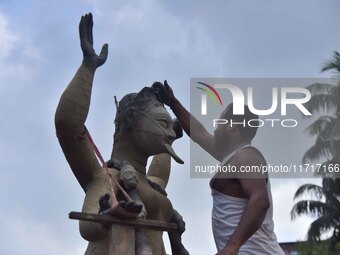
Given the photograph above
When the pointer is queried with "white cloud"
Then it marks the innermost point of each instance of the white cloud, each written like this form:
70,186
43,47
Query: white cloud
7,37
22,235
17,53
156,42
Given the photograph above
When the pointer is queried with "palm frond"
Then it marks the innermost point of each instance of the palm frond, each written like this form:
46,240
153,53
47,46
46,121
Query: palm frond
320,226
335,91
335,138
317,126
310,207
324,169
329,184
310,189
326,134
319,151
333,64
318,192
322,102
320,88
322,149
337,187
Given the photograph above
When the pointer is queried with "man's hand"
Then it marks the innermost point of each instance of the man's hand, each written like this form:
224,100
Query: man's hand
165,93
169,94
90,58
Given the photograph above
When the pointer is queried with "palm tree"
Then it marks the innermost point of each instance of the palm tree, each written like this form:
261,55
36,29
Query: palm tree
324,206
326,99
325,203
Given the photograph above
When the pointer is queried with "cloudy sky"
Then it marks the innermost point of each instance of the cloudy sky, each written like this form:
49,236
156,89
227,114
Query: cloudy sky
148,41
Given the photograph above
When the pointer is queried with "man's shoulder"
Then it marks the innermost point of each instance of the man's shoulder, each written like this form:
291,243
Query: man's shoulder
249,162
249,155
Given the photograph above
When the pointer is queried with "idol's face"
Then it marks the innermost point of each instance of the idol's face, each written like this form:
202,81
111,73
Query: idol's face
154,132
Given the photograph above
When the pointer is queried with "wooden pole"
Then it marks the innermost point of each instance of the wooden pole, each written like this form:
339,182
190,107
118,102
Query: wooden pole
136,223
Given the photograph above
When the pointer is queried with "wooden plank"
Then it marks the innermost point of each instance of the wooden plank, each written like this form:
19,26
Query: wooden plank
148,224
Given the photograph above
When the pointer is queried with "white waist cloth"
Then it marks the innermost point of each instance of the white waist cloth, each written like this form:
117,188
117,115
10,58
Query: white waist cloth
226,214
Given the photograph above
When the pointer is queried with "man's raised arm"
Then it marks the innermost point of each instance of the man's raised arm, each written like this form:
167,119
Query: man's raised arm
194,129
74,106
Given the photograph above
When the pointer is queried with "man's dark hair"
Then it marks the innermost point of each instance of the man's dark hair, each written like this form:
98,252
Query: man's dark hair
247,131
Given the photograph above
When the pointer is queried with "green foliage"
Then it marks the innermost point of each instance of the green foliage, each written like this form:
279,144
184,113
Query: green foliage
325,207
325,99
317,248
313,248
324,203
333,64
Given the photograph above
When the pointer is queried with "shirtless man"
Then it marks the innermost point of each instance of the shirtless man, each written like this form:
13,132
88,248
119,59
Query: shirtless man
242,215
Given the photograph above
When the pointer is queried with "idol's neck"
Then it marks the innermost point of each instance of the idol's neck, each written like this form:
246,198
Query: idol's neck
127,151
